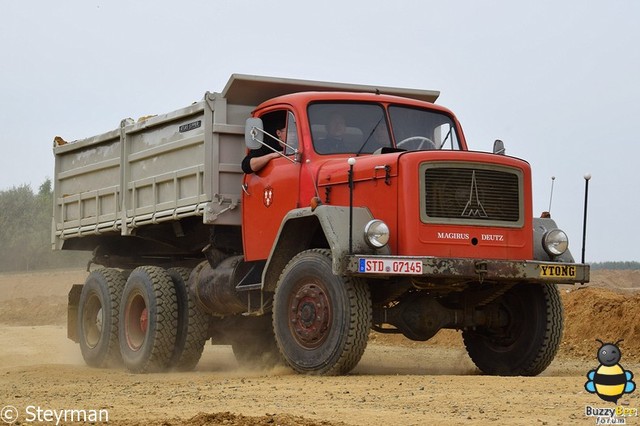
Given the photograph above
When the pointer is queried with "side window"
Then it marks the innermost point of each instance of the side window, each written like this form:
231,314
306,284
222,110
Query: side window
275,123
282,128
292,134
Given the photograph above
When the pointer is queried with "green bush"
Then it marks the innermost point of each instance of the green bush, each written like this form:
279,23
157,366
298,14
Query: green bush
25,231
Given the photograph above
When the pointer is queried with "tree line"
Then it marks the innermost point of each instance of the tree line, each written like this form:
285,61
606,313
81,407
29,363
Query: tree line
616,265
25,231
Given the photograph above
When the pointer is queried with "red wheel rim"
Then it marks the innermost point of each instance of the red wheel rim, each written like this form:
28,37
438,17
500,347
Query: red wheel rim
136,321
309,315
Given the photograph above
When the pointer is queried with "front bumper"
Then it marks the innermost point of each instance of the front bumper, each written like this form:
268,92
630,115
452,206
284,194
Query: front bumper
482,270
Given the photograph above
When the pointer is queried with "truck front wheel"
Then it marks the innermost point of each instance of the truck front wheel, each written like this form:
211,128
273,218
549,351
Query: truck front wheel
148,320
528,342
98,318
321,321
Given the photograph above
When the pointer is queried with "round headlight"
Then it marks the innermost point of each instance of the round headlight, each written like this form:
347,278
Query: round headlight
555,242
376,233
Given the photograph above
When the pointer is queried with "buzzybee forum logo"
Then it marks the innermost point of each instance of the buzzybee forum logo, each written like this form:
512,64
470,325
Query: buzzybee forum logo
609,380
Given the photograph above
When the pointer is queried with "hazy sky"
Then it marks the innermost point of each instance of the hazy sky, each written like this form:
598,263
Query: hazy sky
558,82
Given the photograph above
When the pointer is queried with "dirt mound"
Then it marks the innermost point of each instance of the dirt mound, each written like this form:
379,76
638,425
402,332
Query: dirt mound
616,279
38,310
230,419
36,298
598,313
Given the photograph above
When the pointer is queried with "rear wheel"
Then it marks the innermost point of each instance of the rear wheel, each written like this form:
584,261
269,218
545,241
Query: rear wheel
193,324
529,341
148,320
98,317
321,321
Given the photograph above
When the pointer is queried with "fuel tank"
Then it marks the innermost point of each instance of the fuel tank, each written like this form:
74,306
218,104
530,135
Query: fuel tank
214,289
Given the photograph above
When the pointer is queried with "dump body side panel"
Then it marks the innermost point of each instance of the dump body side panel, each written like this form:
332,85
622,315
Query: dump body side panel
181,164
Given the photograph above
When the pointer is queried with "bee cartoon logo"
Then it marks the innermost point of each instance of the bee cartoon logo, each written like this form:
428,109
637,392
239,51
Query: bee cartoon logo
609,381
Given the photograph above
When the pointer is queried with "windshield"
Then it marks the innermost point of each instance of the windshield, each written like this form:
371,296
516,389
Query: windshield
364,128
417,129
348,128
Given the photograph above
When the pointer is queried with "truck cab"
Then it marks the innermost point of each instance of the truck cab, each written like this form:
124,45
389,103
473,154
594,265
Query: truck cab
439,229
409,172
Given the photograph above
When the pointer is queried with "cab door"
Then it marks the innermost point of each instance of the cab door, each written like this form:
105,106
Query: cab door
267,196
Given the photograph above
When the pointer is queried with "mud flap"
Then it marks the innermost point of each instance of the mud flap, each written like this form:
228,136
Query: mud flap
72,312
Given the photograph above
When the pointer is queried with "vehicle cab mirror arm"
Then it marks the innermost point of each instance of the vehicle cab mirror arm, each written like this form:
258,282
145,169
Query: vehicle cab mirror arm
254,134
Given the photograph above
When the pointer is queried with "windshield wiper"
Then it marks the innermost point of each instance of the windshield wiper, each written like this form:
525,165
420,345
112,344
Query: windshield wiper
447,137
366,141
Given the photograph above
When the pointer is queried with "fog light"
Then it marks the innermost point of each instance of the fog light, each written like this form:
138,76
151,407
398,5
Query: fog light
555,242
376,233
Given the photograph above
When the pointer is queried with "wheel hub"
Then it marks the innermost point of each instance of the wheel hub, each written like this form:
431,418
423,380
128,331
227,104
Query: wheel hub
92,321
144,320
309,315
99,320
136,321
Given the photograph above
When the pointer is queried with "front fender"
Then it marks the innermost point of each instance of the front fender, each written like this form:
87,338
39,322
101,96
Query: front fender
540,227
324,227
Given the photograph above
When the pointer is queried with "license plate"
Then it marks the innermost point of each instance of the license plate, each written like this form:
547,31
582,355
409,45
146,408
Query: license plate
562,271
390,266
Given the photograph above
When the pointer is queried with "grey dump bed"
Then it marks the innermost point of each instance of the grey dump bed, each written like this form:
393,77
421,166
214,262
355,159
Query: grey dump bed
184,163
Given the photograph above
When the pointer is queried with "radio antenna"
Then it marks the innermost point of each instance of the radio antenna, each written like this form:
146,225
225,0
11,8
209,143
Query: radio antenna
587,178
553,179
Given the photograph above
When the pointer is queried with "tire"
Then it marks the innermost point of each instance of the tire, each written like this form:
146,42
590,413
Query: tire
148,320
193,324
321,321
529,342
98,318
256,347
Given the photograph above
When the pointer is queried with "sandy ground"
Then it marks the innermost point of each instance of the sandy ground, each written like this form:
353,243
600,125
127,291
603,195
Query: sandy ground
398,382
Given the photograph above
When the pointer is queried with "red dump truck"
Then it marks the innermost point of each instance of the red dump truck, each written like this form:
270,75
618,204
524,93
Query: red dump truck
385,221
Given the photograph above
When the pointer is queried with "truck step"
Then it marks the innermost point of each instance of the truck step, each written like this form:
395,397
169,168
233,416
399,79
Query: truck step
248,287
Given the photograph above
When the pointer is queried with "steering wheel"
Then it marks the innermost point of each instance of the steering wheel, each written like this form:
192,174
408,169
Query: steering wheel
423,141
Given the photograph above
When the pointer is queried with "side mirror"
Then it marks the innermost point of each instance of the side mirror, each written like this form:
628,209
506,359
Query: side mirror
253,133
498,147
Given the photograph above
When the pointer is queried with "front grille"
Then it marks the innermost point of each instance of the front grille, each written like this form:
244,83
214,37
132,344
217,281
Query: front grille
468,194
